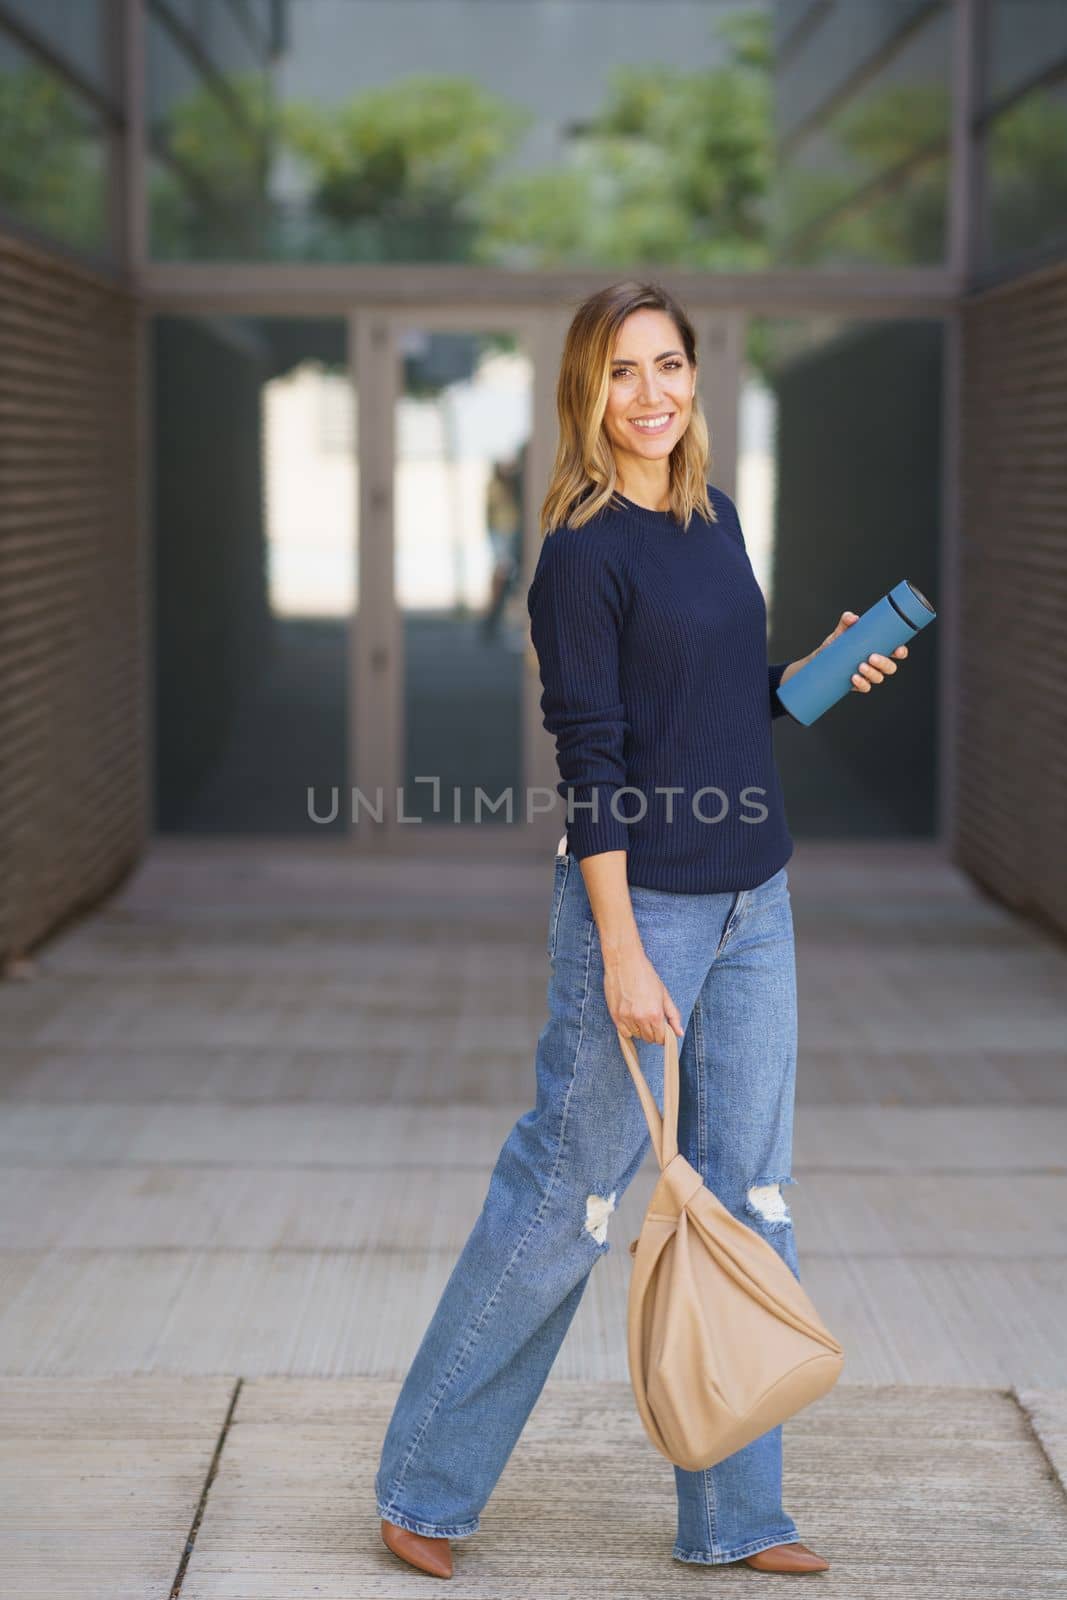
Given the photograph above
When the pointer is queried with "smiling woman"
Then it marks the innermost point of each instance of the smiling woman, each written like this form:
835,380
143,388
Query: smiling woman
650,632
651,395
630,418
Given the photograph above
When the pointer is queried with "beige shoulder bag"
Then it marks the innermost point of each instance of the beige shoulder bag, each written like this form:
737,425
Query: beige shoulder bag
724,1343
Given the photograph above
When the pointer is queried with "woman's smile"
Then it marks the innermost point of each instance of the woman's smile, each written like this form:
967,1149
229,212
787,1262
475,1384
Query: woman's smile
656,424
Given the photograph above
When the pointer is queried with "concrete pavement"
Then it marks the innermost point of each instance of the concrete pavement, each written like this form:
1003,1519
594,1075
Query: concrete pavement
206,1302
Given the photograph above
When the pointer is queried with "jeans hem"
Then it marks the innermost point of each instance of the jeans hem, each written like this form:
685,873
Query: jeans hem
719,1557
429,1530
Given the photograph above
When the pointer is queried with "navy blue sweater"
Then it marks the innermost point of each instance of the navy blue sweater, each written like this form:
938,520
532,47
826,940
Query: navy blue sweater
652,646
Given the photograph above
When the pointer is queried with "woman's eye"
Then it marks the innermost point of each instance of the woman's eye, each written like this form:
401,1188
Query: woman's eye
625,372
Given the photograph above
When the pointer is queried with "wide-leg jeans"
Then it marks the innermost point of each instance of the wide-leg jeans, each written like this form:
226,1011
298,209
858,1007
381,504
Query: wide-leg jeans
728,962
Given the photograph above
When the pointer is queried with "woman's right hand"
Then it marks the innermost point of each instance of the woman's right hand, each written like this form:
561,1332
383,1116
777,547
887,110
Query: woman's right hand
638,1000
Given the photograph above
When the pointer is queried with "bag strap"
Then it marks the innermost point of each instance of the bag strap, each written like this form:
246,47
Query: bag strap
664,1130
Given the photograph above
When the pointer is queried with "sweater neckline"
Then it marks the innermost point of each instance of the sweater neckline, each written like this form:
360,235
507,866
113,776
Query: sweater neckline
654,519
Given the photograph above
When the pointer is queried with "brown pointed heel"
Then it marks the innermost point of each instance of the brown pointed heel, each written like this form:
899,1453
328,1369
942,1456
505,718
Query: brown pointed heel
794,1557
429,1555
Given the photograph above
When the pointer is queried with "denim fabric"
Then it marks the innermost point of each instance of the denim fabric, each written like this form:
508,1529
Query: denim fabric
728,962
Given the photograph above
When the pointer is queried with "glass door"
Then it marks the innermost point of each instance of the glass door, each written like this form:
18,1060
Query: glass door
254,566
449,749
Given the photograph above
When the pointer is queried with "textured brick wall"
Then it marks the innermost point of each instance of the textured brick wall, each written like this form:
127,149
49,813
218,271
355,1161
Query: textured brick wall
72,697
1011,797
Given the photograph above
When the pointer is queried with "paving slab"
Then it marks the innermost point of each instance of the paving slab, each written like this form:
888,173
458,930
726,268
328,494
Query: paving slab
494,1072
100,1480
150,1205
910,1493
927,1320
903,1139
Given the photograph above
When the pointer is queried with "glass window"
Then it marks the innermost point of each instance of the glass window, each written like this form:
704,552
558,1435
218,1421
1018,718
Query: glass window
523,135
1024,143
80,31
1024,37
834,49
53,154
208,147
221,34
863,174
1026,183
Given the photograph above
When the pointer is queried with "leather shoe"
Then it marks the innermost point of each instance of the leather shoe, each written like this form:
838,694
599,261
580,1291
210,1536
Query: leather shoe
794,1557
429,1555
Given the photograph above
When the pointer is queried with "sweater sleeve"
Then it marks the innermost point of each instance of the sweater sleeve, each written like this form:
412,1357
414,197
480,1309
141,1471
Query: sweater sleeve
576,603
774,669
774,672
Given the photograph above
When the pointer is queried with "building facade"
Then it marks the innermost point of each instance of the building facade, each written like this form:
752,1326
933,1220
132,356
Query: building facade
282,290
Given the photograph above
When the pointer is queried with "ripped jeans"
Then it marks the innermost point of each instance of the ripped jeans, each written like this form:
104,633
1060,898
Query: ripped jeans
727,961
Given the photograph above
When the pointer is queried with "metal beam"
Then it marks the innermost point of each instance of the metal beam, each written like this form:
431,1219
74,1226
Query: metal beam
134,185
965,201
296,289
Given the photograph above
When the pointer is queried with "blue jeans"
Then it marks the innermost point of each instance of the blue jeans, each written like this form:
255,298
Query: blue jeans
727,961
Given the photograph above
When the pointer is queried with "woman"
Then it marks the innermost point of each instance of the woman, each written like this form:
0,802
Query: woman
671,912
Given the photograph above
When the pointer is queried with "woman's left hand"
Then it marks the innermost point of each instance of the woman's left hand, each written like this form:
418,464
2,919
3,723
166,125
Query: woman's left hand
875,669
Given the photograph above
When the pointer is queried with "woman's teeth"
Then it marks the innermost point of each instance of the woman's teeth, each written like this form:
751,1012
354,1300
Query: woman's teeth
653,424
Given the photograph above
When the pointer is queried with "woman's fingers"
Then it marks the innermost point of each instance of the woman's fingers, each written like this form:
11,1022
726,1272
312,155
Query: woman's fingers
672,1014
653,1031
876,669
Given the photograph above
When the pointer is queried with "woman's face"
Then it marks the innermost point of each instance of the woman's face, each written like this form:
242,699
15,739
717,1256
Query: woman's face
650,394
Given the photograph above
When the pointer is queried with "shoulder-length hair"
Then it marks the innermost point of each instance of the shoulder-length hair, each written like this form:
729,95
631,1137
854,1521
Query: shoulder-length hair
583,477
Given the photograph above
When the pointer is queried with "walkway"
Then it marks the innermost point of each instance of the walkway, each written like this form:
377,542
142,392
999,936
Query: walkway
249,1112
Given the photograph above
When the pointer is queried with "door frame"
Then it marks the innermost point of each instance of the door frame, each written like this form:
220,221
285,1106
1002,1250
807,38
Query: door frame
376,654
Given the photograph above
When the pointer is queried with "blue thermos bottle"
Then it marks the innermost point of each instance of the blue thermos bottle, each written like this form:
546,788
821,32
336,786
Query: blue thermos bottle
894,620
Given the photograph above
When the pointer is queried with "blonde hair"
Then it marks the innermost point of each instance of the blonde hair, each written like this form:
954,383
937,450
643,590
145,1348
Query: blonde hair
584,478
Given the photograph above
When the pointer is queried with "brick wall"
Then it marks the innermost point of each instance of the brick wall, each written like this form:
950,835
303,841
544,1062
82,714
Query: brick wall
72,647
1010,803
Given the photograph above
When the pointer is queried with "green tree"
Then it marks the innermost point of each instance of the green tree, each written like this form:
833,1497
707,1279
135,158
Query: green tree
208,192
52,165
1028,175
673,169
397,171
892,144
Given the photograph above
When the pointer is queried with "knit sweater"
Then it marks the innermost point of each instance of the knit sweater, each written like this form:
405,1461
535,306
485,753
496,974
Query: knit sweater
652,647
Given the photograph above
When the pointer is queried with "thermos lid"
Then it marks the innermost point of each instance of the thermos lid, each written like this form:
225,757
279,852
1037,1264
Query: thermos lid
912,604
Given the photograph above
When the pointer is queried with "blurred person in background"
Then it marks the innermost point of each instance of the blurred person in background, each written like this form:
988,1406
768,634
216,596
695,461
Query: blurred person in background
503,516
